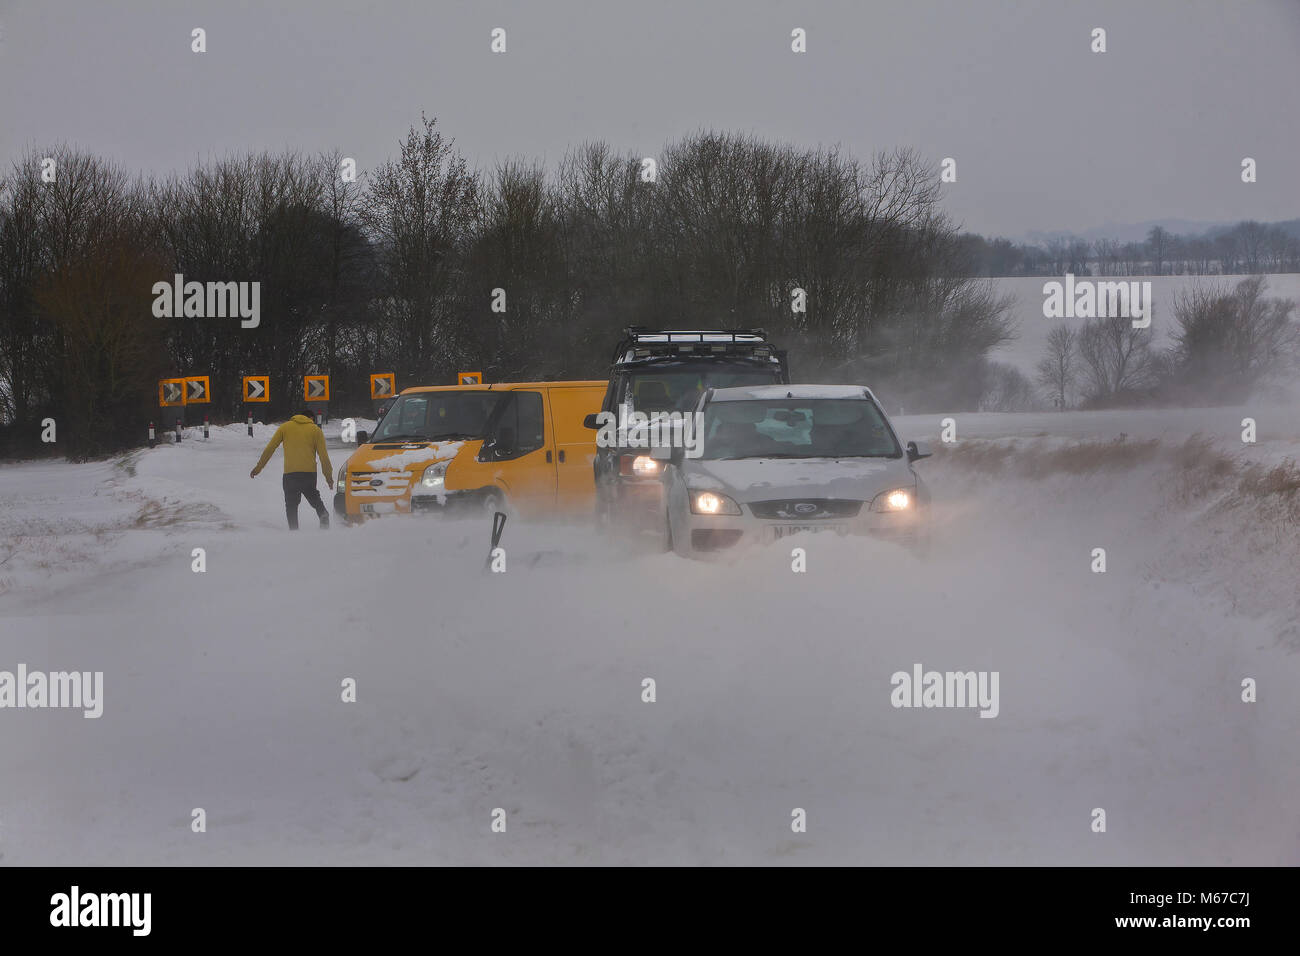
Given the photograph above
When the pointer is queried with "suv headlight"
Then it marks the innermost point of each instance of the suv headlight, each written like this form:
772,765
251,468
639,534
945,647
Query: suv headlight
899,499
712,503
643,466
343,473
434,475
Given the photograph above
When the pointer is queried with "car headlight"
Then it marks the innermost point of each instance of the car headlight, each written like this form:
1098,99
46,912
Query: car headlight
643,466
343,473
899,499
434,475
712,503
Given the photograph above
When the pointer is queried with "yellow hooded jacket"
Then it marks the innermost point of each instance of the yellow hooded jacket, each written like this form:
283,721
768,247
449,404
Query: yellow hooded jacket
303,441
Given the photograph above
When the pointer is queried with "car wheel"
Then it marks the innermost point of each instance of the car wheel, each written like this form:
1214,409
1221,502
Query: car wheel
493,501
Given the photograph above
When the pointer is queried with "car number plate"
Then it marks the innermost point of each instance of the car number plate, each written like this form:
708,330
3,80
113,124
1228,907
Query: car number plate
784,530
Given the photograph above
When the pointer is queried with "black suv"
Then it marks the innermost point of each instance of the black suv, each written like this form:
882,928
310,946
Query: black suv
668,370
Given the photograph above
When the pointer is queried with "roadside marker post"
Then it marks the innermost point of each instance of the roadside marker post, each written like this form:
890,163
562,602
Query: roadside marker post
257,389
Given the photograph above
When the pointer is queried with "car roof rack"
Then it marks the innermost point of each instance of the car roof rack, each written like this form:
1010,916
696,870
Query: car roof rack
642,342
641,333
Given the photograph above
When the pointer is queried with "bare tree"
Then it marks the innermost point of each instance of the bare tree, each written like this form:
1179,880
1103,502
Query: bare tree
1228,341
1134,260
48,229
1058,254
1158,244
1057,371
1228,248
1115,358
1107,252
420,210
1006,389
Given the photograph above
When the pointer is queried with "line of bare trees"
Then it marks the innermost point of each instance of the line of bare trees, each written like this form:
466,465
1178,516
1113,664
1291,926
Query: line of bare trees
1248,248
1228,343
426,267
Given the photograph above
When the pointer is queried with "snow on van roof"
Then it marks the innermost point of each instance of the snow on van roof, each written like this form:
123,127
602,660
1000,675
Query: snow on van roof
742,393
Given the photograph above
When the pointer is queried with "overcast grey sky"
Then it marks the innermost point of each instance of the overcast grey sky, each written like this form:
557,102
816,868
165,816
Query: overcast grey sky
1046,134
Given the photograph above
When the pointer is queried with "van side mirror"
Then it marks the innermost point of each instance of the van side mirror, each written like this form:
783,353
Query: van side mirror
591,421
917,450
363,437
504,446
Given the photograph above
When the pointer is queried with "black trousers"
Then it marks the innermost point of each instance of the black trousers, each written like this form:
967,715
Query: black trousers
302,484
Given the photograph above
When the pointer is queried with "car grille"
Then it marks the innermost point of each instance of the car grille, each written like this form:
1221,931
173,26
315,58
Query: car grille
390,483
805,509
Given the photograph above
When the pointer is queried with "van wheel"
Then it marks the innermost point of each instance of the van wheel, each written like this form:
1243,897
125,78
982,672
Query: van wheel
493,501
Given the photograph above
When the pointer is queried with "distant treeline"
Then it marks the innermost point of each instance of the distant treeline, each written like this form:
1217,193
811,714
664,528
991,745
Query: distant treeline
1248,248
424,267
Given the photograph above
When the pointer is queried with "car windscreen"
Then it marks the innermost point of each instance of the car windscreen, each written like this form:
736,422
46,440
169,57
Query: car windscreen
677,386
797,428
437,416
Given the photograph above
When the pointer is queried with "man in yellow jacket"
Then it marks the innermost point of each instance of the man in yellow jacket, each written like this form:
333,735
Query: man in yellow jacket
303,442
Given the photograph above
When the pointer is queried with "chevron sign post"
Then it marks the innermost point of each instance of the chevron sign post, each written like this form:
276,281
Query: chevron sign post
257,388
171,394
197,391
316,393
383,389
171,391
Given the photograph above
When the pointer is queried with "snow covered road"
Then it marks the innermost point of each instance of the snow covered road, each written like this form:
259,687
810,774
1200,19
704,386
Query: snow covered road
523,691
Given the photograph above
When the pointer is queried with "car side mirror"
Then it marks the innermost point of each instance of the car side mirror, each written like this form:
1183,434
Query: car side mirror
917,450
363,437
591,421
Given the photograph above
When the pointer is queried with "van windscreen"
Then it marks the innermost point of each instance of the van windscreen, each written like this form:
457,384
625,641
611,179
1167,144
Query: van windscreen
437,416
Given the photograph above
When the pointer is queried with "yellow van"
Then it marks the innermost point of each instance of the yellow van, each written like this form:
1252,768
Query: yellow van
466,448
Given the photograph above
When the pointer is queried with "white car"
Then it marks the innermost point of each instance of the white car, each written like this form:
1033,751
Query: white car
777,460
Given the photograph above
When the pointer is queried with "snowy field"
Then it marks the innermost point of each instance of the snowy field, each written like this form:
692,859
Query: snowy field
522,690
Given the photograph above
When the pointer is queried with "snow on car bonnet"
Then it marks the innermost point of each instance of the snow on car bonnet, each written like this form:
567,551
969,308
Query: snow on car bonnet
847,477
401,460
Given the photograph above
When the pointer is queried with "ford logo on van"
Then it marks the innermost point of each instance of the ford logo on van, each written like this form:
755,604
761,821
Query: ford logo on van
805,508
